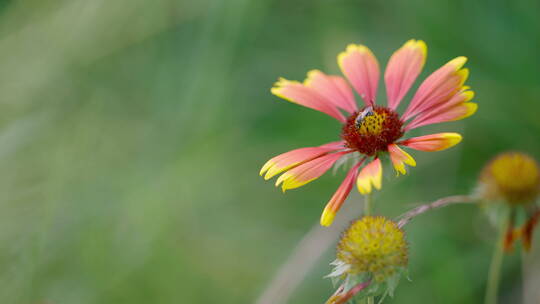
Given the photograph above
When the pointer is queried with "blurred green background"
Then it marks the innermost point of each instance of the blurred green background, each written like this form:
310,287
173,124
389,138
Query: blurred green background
133,132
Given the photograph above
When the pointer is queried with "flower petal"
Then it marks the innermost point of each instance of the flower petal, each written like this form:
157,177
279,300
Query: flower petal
455,109
457,112
439,87
296,92
403,68
333,88
308,171
361,68
370,174
432,142
510,236
291,159
337,200
464,95
400,158
341,296
528,228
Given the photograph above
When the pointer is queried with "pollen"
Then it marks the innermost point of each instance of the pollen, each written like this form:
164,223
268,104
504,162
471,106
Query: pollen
373,245
511,176
370,122
372,129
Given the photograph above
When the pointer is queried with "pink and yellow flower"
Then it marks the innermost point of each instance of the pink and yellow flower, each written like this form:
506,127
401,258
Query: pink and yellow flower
372,130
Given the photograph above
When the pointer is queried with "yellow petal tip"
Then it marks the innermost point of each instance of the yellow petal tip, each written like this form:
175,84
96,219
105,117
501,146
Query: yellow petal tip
413,43
453,139
363,190
265,167
422,45
327,217
310,75
458,62
468,95
471,109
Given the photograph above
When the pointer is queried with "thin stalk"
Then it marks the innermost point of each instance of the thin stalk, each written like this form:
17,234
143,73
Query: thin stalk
442,202
494,274
368,200
525,262
367,204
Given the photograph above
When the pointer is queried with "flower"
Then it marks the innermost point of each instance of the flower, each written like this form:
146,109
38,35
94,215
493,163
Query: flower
513,178
372,249
370,131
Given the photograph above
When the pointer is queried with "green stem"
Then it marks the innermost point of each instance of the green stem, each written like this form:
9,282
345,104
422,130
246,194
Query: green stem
494,274
524,263
368,199
367,204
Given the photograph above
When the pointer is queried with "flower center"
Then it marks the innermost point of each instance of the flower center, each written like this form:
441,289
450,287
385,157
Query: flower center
373,245
369,122
512,176
372,130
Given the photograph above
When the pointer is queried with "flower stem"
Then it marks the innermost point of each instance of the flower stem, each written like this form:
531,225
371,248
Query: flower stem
525,262
494,274
367,204
442,202
368,199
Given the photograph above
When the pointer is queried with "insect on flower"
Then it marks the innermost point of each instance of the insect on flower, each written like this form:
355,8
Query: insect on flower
360,119
372,130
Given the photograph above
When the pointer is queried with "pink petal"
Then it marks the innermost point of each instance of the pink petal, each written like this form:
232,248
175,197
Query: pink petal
291,159
464,95
337,200
456,112
403,68
370,175
308,171
439,87
296,92
333,88
456,108
361,68
432,142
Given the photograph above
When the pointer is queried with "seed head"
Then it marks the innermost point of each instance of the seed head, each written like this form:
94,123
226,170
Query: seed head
511,176
373,245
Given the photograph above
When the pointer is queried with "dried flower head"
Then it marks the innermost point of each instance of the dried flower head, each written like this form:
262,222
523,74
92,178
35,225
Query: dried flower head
372,249
511,176
373,245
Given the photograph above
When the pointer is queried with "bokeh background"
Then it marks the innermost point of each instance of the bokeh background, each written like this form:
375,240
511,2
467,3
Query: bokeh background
132,133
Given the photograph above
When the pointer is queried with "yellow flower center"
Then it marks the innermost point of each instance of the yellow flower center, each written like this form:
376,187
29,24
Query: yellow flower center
370,122
374,245
512,176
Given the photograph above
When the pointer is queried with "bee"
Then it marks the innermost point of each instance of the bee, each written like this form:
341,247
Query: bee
360,118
